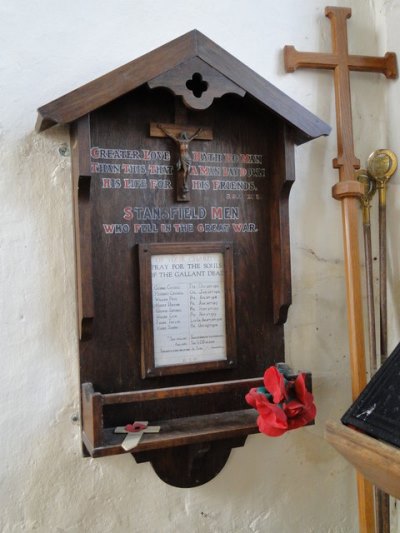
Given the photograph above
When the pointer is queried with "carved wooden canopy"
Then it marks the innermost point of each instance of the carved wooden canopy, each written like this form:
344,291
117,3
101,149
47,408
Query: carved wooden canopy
208,72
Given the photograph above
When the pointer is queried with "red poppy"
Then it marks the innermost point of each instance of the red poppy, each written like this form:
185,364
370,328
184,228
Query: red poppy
272,419
305,407
293,408
135,427
251,397
275,384
292,405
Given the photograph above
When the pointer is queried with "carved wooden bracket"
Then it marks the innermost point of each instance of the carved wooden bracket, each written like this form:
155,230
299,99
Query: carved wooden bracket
197,83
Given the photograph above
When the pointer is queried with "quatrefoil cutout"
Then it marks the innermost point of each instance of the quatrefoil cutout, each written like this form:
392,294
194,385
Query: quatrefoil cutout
197,85
197,82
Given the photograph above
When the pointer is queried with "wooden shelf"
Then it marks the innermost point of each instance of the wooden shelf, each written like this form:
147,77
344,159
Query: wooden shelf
100,441
377,461
180,432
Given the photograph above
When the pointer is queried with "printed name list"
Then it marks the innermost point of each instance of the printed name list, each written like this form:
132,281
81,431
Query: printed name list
188,308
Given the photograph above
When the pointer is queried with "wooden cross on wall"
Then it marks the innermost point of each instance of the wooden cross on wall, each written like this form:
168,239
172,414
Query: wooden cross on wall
341,62
348,190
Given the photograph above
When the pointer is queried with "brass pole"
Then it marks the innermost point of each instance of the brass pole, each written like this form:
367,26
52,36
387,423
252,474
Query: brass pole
381,166
365,201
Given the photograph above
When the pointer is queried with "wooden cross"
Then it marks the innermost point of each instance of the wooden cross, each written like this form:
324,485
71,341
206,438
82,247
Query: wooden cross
348,190
182,136
341,62
134,432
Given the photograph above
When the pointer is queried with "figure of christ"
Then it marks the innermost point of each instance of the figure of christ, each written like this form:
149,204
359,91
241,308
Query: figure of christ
184,162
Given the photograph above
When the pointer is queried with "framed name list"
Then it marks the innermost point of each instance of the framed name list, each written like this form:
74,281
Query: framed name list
187,303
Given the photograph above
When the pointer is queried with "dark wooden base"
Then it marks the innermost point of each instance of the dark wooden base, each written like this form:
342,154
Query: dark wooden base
188,451
190,466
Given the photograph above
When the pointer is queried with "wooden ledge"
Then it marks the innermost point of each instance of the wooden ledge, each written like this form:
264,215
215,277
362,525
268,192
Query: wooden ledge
377,461
100,441
180,432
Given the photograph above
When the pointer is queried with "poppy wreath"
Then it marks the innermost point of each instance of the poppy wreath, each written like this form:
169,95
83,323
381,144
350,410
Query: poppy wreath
283,403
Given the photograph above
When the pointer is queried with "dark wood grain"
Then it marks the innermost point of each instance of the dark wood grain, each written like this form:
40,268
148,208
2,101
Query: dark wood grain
175,129
92,415
181,432
112,361
190,465
241,168
112,85
258,275
181,392
215,84
165,59
284,172
81,176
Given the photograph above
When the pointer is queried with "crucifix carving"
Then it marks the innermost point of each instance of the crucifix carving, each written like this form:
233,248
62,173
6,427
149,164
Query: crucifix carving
348,190
182,136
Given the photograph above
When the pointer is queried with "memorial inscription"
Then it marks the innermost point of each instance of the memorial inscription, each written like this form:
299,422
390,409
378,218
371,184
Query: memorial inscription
188,308
187,300
233,176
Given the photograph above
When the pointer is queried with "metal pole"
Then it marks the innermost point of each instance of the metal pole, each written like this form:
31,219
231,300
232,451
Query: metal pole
365,201
381,166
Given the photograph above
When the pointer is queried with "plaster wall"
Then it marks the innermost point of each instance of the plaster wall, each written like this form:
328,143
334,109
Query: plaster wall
293,483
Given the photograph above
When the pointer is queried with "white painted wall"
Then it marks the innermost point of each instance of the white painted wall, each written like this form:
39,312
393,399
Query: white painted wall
294,483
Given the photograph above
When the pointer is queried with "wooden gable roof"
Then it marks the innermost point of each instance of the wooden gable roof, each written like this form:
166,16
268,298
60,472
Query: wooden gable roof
168,57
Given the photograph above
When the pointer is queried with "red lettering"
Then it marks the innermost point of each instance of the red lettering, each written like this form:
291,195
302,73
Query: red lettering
94,152
237,228
216,213
128,213
109,228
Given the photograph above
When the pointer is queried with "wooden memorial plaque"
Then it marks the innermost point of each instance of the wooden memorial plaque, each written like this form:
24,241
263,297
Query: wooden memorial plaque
182,165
